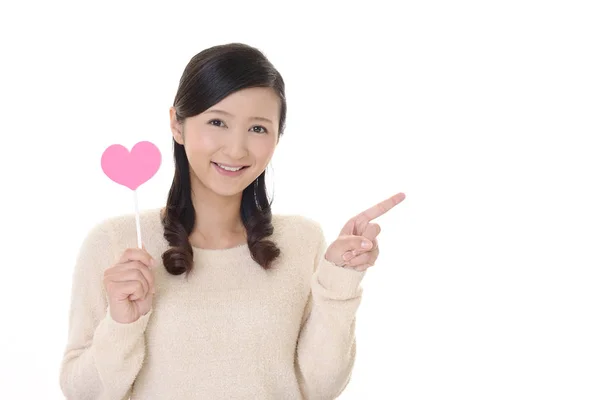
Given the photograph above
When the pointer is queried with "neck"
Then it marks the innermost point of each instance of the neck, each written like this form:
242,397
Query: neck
218,220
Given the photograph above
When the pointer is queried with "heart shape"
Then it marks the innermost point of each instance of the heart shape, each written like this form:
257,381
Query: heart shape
133,168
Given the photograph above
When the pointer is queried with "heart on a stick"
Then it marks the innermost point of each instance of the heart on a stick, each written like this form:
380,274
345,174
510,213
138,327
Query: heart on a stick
131,168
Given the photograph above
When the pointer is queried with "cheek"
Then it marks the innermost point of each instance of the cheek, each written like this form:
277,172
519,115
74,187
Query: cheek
201,143
263,149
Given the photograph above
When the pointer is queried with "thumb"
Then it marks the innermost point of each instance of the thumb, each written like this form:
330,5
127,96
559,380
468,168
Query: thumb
348,246
354,242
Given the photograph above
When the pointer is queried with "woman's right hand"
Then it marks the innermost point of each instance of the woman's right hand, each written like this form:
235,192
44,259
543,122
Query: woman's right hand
130,286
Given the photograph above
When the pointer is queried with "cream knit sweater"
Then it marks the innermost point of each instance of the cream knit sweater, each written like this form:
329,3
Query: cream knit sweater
230,331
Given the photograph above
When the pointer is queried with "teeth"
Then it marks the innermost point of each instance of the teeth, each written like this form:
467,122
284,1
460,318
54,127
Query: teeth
229,168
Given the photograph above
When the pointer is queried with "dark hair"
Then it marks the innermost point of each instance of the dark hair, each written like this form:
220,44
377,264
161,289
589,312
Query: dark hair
210,76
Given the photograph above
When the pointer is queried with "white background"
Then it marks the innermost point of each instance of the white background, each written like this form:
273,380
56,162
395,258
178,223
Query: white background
486,114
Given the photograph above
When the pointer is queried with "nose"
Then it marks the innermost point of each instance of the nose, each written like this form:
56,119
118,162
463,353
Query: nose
236,147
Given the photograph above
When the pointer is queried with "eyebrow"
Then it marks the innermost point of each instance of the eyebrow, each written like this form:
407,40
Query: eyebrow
231,115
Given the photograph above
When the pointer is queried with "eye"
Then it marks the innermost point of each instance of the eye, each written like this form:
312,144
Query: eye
254,129
216,122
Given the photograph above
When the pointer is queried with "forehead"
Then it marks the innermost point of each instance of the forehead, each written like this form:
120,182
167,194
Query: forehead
251,102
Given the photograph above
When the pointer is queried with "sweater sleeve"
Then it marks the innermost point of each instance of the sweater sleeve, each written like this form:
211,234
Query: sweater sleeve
102,357
326,345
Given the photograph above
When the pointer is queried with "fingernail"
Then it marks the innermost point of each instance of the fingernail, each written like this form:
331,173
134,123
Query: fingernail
347,256
365,244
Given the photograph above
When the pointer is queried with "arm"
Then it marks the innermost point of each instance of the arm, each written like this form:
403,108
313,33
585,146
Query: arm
102,357
326,345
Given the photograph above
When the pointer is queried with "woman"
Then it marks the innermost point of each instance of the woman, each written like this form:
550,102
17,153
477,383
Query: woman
224,300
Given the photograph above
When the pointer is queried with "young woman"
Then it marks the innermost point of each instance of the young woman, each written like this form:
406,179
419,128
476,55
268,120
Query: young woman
224,300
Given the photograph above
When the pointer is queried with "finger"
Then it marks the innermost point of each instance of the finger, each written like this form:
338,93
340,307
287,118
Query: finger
375,244
124,290
147,273
374,248
361,260
372,230
348,228
353,242
138,295
347,256
379,209
133,254
132,274
373,254
362,268
121,271
344,246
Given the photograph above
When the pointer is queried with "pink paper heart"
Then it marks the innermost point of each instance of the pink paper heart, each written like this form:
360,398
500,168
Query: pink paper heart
133,168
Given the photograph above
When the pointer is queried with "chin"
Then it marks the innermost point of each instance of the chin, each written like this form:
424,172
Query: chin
228,190
228,193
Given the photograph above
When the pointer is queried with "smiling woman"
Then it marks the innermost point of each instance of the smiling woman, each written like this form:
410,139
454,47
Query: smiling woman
224,93
241,305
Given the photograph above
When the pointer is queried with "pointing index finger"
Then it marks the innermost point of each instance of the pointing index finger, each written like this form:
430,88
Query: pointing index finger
379,209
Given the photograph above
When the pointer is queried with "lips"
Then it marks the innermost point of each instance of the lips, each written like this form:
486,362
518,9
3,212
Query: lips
230,166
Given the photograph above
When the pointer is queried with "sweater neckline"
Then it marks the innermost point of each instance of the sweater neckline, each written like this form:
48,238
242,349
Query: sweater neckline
229,255
236,252
235,249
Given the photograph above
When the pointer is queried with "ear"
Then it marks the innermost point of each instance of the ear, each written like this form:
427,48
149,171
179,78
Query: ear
176,126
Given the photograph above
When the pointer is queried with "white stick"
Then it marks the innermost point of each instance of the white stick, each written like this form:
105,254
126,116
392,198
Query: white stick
137,219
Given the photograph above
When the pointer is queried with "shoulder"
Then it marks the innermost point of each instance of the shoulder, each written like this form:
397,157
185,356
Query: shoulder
296,225
118,230
298,233
125,223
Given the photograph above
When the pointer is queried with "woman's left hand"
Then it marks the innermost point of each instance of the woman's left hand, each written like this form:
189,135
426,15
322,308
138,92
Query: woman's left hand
346,250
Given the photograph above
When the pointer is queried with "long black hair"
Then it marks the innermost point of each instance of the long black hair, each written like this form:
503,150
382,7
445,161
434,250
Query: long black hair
210,76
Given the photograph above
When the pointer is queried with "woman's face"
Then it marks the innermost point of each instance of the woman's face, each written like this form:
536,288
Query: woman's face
239,131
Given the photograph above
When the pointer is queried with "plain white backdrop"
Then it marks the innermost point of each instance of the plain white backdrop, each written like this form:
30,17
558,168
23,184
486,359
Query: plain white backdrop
486,114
